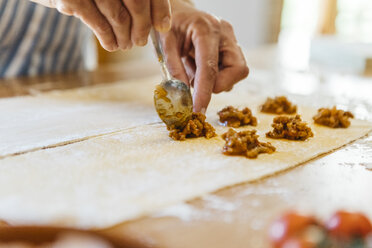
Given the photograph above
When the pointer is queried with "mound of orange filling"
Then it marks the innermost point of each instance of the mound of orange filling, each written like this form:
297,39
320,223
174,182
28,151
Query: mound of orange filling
292,128
245,143
333,117
195,127
278,105
233,117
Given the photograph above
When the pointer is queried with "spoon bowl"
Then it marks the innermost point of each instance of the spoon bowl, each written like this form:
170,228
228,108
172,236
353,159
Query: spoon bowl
172,97
173,103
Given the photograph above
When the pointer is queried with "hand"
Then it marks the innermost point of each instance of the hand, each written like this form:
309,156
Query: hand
118,24
202,51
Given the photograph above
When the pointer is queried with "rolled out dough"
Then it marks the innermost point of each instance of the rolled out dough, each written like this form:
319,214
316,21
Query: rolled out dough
56,118
105,180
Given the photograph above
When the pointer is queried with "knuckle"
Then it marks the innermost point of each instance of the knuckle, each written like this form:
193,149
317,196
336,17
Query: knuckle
103,27
120,17
207,25
212,69
214,22
136,6
244,71
201,21
212,65
227,25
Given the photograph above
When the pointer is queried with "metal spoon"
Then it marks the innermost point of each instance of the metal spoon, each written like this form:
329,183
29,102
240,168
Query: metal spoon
172,97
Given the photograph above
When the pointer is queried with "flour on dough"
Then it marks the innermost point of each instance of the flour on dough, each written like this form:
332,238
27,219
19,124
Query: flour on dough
33,122
113,178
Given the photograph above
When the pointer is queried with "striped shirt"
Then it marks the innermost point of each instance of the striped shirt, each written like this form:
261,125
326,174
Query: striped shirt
38,40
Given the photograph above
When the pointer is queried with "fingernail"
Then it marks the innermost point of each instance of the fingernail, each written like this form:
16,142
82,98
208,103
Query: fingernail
165,24
203,110
141,42
111,48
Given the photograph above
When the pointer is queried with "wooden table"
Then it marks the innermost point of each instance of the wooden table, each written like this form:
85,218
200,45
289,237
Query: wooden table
239,216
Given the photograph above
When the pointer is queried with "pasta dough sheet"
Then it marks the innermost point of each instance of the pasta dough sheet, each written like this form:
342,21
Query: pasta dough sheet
114,178
60,117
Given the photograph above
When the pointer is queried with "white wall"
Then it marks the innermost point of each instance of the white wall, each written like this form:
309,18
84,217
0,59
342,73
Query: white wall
252,19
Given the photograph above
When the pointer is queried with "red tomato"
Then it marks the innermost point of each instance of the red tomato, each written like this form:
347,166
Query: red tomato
289,226
347,225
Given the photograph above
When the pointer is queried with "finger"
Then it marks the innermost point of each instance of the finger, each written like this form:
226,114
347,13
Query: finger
63,7
161,15
233,67
206,59
190,67
173,58
119,19
228,77
93,18
141,20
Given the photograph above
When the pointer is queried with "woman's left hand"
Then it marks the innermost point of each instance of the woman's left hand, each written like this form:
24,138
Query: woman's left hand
202,51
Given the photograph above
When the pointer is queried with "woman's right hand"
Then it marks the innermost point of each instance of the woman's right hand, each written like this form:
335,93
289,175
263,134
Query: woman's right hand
118,24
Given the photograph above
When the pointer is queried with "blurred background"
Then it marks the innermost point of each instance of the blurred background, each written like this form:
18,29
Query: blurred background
302,35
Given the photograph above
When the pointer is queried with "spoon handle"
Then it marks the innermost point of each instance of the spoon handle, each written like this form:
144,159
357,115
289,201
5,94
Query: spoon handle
160,53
